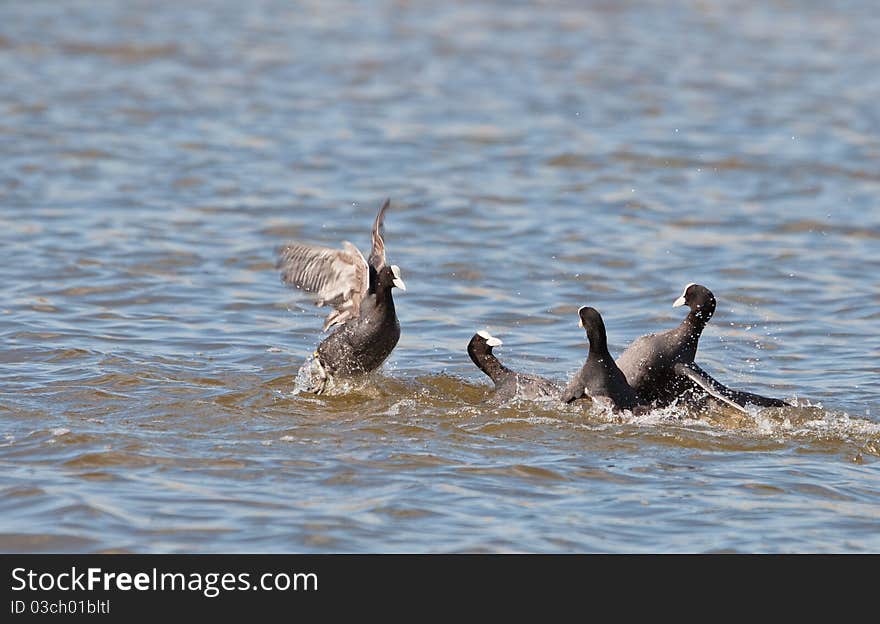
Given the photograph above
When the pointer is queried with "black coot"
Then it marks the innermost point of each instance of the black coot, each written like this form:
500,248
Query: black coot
660,367
508,384
599,378
367,329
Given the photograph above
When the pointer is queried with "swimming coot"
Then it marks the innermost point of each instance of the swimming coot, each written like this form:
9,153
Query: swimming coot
358,291
660,367
508,384
599,378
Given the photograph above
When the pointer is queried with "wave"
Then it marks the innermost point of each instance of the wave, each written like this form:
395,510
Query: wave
449,397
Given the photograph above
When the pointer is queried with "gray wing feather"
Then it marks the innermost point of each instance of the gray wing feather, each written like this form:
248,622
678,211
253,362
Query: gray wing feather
377,253
735,398
338,278
708,384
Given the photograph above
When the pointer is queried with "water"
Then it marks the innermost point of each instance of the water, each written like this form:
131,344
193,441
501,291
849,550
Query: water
540,157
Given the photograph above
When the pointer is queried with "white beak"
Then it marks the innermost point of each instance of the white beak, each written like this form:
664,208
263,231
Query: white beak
580,320
397,281
491,340
680,301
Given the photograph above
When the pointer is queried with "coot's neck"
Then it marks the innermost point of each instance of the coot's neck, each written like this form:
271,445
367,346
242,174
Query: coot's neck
598,345
374,279
383,292
693,324
484,359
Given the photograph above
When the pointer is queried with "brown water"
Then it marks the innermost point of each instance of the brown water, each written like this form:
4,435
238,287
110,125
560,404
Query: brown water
540,157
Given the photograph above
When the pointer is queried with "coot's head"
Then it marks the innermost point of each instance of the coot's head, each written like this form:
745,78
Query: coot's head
592,322
699,299
389,277
481,345
486,340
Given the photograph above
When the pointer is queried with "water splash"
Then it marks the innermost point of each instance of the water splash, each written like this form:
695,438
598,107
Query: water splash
311,378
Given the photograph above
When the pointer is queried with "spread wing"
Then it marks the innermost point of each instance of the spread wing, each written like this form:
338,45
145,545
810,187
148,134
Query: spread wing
702,379
377,253
336,277
737,399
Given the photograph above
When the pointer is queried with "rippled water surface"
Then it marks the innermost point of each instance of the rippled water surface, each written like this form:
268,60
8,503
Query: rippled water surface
540,157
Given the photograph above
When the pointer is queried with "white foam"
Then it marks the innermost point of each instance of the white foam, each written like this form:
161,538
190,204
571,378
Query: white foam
309,377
